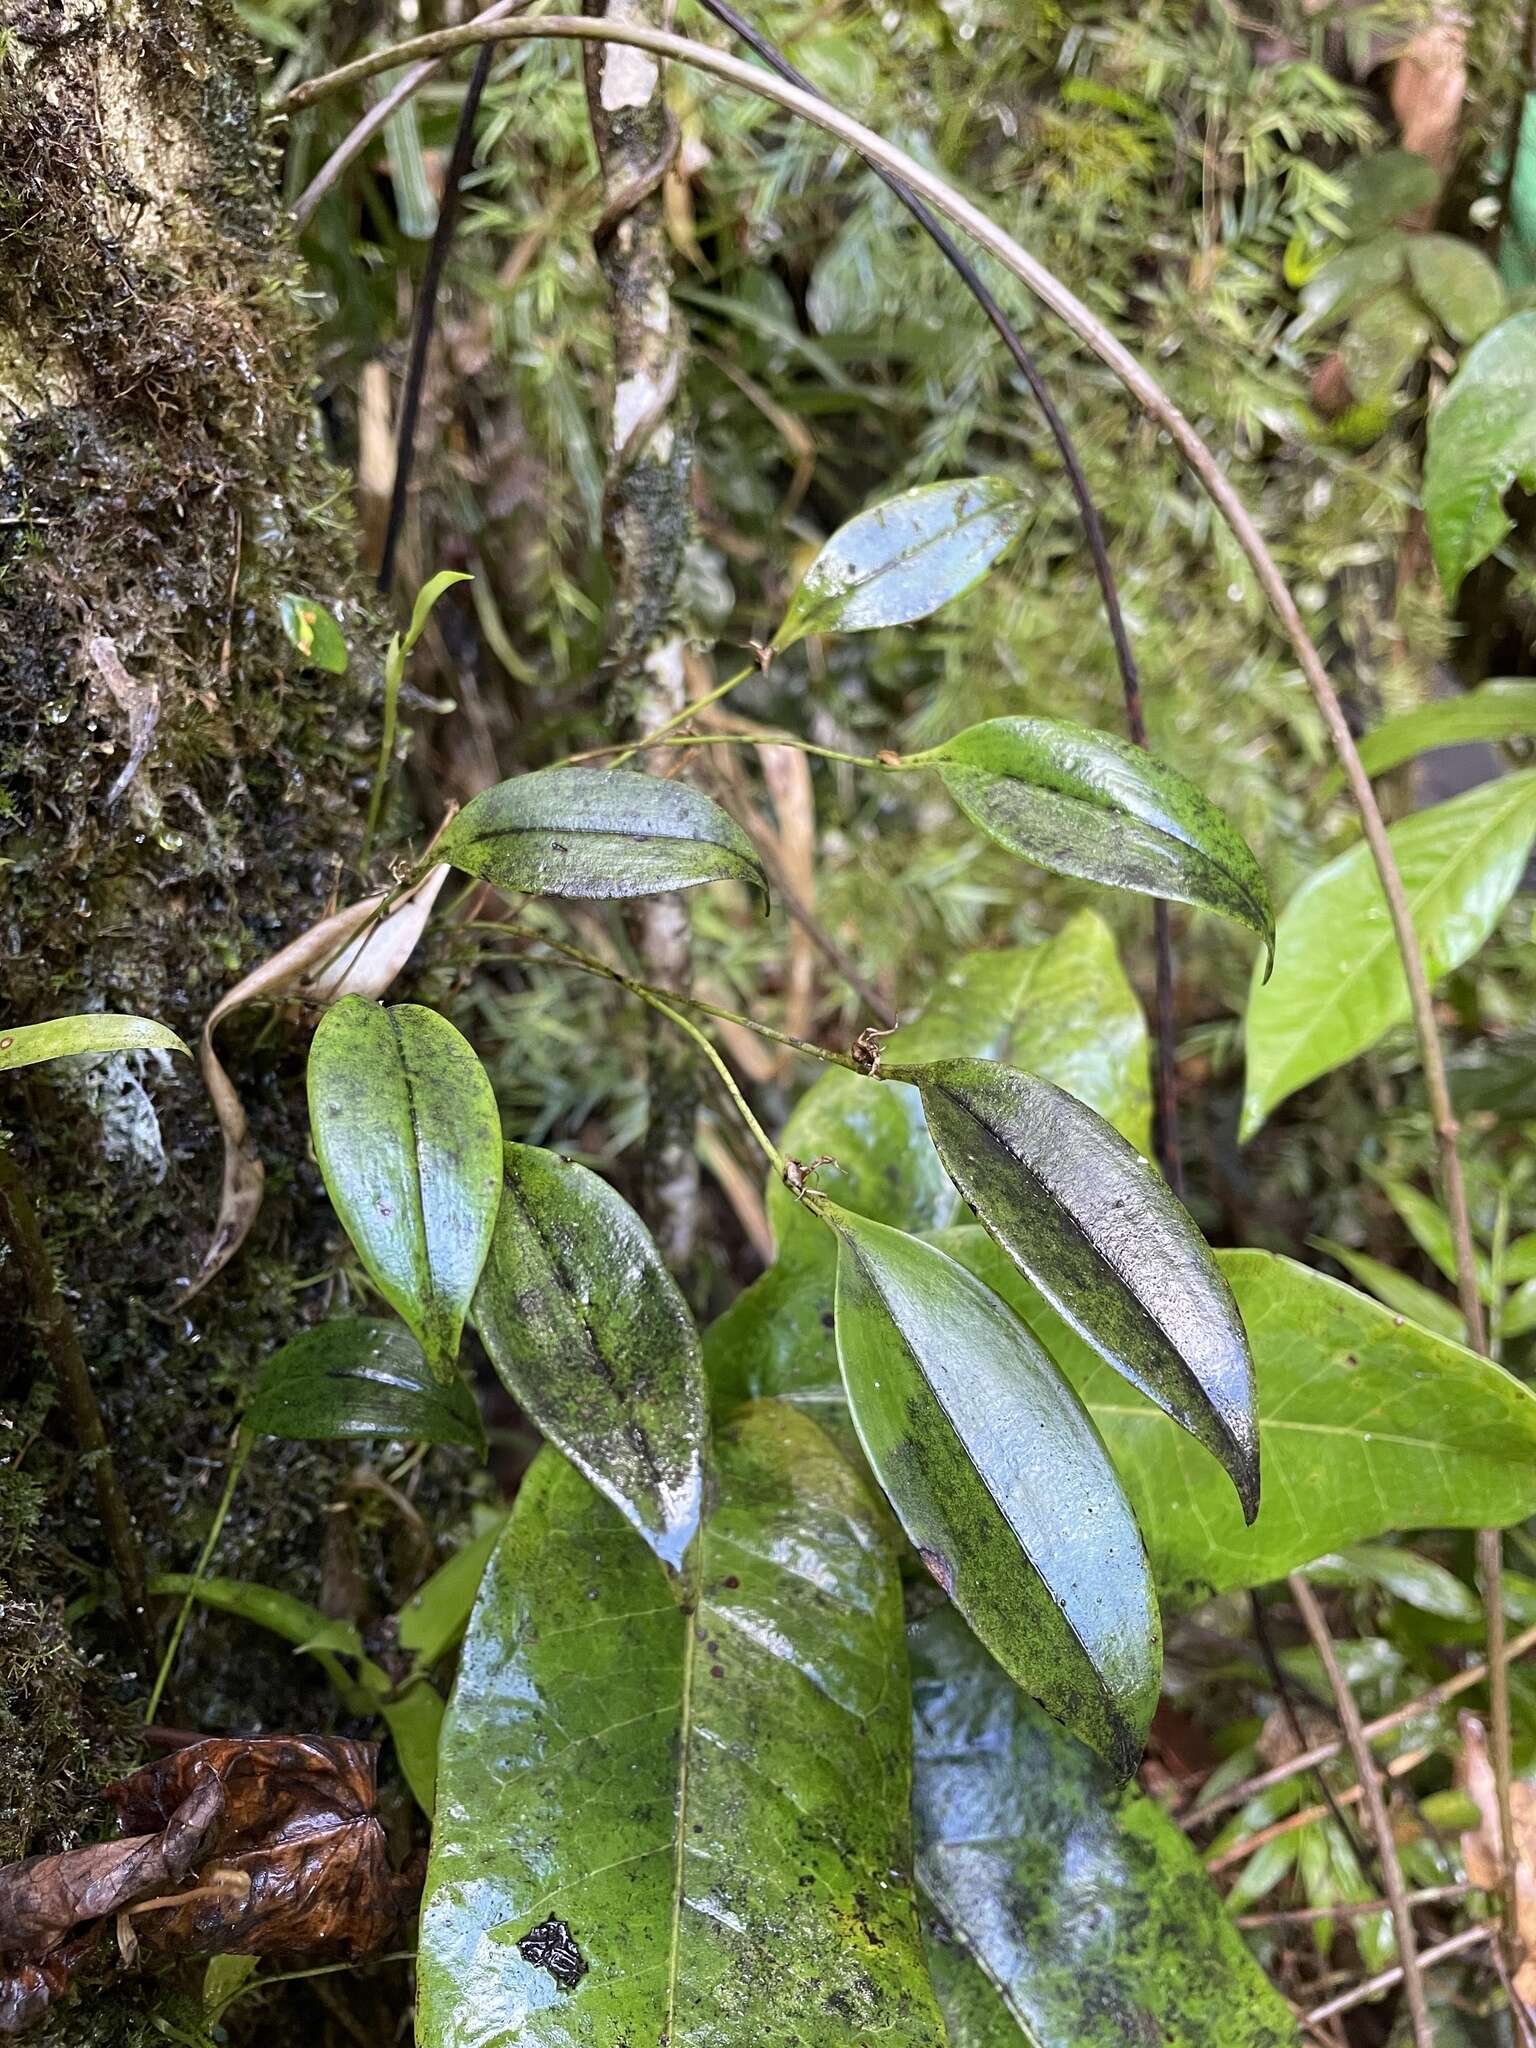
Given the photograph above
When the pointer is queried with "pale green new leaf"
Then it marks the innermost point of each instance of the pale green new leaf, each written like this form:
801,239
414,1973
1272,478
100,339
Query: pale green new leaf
1338,984
1000,1481
593,1338
25,1045
426,599
1064,1911
1089,804
903,559
715,1804
598,833
1481,439
408,1138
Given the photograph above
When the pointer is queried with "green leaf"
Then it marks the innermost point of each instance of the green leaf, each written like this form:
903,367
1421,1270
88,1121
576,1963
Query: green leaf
1383,340
1417,1581
408,1138
1500,710
1001,1482
437,1613
24,1045
311,629
426,598
1099,1233
1519,1316
1339,984
590,1334
360,1377
1481,439
1457,283
1419,1304
598,833
1064,1911
905,558
1367,1424
1519,1261
1349,280
292,1619
1084,803
715,1805
1386,187
1430,1230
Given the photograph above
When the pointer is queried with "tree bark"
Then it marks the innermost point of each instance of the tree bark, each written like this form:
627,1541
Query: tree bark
646,529
180,796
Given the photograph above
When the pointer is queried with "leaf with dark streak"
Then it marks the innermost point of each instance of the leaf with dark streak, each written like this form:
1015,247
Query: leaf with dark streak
358,1376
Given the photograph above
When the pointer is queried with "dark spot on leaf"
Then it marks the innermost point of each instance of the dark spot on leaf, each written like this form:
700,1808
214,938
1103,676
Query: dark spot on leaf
717,1671
549,1946
940,1568
731,1583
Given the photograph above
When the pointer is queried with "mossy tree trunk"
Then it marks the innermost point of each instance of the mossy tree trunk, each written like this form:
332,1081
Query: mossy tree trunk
646,530
180,796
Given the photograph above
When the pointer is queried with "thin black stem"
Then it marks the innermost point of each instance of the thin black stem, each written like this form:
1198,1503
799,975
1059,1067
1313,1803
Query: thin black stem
1170,1152
426,310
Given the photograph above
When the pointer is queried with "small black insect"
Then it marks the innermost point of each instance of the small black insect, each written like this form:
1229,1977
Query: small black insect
549,1947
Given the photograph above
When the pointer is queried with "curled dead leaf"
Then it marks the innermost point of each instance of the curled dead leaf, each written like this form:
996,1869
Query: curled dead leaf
353,951
1480,1845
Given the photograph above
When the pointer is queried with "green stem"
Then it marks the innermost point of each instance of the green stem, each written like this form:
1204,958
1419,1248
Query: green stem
243,1447
593,965
893,765
671,724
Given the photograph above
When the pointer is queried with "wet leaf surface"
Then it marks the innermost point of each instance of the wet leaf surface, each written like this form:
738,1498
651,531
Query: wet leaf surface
714,1808
598,833
1481,439
591,1335
1084,803
408,1138
358,1376
25,1045
1062,1910
1001,1482
1099,1233
903,559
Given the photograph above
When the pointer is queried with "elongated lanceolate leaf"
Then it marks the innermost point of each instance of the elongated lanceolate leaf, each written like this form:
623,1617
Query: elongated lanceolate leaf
713,1807
1339,984
901,560
1481,439
409,1141
1085,803
25,1045
1063,1911
1367,1424
1112,1250
1500,710
588,1330
1001,1481
360,1377
597,833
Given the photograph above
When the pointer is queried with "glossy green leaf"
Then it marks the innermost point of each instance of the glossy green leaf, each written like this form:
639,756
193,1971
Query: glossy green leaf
1382,342
1457,283
1500,710
1084,803
590,1334
360,1377
284,1614
1417,1581
1109,1246
1338,984
1349,280
903,559
1063,1911
426,599
1000,1480
715,1805
1420,1304
1386,187
408,1138
312,630
25,1045
1367,1424
1481,439
598,833
437,1613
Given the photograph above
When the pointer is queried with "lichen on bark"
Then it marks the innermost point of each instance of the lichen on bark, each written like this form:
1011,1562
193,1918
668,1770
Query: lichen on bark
646,528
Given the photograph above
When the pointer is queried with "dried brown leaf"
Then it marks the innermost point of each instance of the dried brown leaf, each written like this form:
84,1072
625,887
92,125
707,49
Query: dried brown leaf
1480,1845
1429,86
351,952
139,702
